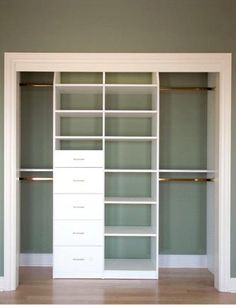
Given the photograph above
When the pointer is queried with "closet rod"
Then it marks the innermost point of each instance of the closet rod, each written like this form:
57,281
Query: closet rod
186,179
36,178
36,85
162,89
186,89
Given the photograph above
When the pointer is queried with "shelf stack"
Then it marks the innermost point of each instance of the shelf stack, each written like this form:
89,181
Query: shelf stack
106,174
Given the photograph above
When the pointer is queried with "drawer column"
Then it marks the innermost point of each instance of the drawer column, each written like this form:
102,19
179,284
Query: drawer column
78,214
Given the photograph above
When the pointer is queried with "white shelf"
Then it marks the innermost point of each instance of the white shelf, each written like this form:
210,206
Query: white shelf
78,137
130,171
131,85
106,138
79,113
129,200
129,264
108,113
128,138
79,88
186,171
129,231
131,113
36,170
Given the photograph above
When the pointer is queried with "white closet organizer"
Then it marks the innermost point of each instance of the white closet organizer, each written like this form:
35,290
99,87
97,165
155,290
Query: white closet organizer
106,167
105,154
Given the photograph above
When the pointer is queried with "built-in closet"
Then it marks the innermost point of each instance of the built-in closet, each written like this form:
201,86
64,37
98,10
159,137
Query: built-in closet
116,169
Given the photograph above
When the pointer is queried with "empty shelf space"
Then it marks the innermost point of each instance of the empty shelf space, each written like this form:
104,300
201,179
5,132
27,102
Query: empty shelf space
129,264
129,200
130,113
129,231
80,78
130,78
79,88
130,88
128,138
80,126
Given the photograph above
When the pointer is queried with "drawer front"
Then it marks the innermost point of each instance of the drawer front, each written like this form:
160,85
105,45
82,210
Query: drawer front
78,158
77,262
69,206
78,232
78,180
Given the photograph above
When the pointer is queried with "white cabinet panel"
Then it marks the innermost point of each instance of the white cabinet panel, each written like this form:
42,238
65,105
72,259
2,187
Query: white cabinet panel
78,180
78,158
77,262
84,206
78,232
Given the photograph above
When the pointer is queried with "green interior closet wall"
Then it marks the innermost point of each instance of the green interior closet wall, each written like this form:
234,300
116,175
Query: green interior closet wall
119,26
36,122
183,145
36,217
36,152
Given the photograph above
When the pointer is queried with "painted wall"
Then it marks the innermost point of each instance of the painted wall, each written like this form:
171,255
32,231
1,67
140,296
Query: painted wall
118,26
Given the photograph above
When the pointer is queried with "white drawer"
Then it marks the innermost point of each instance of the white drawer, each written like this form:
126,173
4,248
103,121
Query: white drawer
78,180
78,233
70,206
78,158
77,262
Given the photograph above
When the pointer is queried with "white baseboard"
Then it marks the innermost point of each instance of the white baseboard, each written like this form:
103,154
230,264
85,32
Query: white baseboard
36,259
165,261
183,261
1,283
232,285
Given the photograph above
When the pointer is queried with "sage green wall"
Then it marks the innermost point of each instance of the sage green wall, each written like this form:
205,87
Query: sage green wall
118,26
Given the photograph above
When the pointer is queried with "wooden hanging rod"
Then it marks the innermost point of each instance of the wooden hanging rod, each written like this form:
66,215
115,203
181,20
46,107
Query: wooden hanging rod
186,89
162,89
186,179
160,179
36,178
36,84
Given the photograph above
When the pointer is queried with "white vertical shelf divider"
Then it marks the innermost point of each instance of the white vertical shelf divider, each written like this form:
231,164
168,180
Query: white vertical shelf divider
104,150
56,104
155,164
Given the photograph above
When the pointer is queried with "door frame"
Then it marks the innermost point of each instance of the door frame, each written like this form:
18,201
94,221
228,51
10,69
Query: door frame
135,62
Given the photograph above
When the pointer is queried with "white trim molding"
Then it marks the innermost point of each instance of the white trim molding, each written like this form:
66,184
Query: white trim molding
1,283
232,285
183,261
123,62
165,261
36,259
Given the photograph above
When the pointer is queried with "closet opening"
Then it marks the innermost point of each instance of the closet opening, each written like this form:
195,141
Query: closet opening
118,169
185,113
